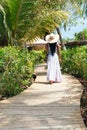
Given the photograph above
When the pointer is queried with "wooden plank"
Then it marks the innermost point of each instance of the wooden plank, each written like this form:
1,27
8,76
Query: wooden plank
44,107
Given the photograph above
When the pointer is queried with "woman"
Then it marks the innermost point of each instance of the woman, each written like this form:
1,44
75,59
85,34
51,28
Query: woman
53,65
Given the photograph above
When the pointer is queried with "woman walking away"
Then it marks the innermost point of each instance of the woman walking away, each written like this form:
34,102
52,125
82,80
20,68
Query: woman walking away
53,65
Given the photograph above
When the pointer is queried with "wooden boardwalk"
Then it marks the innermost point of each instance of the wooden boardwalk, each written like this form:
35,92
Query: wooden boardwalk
43,106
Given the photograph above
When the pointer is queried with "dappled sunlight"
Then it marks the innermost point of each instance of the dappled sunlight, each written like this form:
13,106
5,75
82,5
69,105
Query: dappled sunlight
44,106
44,100
4,122
6,101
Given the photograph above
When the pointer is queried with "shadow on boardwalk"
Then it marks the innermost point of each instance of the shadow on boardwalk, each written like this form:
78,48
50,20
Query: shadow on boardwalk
43,106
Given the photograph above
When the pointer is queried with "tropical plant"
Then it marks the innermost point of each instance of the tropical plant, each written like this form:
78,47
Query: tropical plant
28,19
81,35
75,61
23,17
38,56
4,31
16,68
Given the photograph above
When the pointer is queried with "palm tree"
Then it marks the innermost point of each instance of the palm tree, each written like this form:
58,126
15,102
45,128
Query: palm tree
3,26
26,19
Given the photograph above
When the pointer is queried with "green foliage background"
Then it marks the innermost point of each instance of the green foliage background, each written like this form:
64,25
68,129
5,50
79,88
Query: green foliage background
81,35
74,61
16,69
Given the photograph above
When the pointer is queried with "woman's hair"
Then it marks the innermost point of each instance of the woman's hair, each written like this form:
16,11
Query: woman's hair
52,48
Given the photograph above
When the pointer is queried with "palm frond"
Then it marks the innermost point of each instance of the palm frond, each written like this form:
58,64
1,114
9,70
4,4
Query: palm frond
4,16
14,12
46,24
4,25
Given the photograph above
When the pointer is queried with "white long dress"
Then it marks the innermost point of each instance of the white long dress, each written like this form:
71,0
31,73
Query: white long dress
53,68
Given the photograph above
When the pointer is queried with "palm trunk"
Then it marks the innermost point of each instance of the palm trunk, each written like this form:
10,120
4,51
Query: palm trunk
61,41
13,37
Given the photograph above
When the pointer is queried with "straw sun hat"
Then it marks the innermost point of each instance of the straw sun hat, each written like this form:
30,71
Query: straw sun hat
52,38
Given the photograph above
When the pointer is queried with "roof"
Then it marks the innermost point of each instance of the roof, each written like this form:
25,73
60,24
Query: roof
39,41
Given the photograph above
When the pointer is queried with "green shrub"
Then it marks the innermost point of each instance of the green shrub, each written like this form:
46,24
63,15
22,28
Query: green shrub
16,68
81,35
75,61
38,56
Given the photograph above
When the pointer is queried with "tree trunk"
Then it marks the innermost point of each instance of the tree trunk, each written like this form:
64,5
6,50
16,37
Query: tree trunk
60,37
